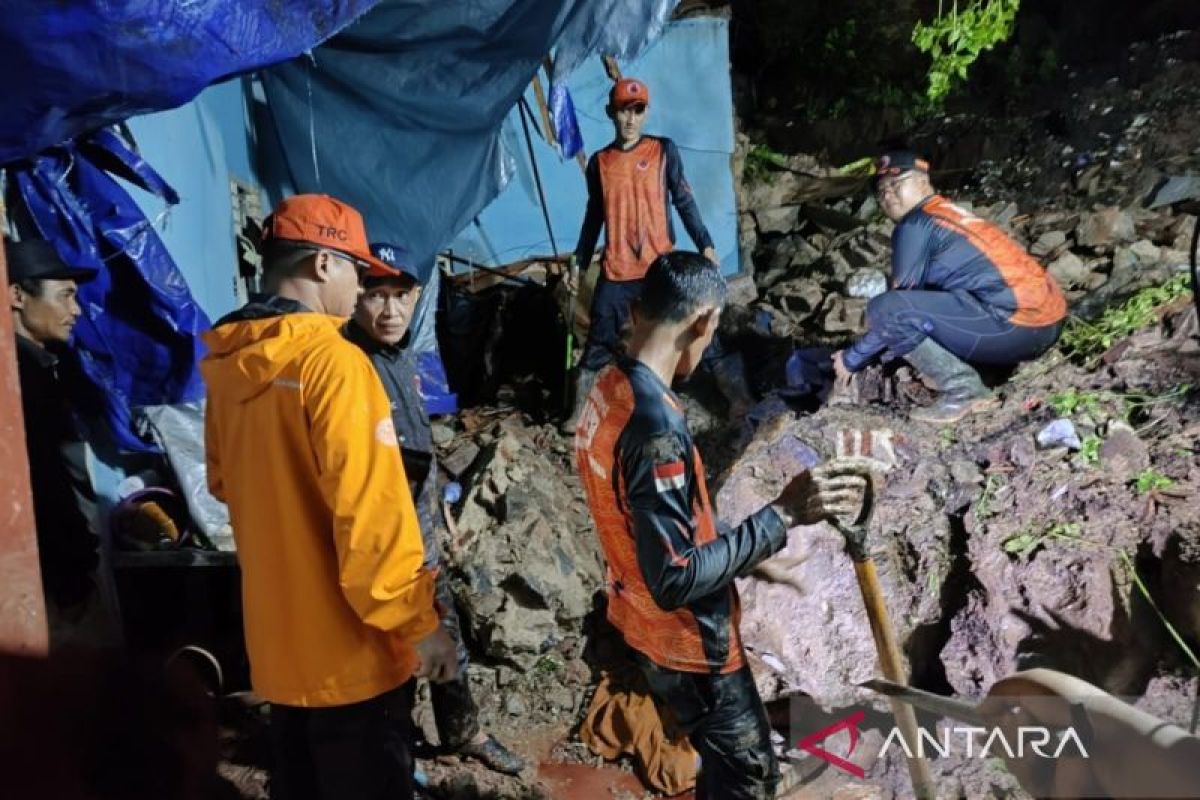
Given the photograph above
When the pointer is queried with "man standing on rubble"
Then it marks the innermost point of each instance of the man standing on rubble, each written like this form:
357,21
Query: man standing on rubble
671,573
631,185
960,291
380,327
338,608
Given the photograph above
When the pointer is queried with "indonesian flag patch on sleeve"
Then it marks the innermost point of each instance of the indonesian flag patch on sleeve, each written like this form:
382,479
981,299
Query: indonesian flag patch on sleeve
668,476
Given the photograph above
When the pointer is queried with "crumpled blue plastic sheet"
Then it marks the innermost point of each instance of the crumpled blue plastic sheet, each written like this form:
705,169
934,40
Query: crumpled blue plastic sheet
74,67
138,339
400,114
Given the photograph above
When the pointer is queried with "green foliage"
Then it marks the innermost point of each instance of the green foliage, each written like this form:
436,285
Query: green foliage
1138,405
1179,641
954,41
1024,543
1067,403
1089,452
547,666
946,437
762,162
983,508
1088,340
1151,480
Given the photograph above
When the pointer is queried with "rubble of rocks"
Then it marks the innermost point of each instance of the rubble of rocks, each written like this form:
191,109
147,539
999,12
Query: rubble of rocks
1076,198
996,552
524,563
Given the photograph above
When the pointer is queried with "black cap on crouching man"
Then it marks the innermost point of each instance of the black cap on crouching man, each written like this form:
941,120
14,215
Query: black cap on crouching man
898,162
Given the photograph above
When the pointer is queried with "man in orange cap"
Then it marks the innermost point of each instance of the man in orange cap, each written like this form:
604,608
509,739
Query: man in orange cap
631,184
338,609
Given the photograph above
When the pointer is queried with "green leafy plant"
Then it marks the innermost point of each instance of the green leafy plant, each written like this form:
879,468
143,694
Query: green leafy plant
1089,452
947,437
1066,403
1151,480
1089,340
983,508
1024,543
762,162
954,40
1137,405
547,666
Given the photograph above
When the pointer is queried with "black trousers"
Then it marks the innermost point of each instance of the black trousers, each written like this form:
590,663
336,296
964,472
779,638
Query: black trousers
353,752
454,710
724,718
610,313
958,322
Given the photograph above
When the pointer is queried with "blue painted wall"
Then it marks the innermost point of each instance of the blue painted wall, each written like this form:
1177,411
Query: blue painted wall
198,148
691,101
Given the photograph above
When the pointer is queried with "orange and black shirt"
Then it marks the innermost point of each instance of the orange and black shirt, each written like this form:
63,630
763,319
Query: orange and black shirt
671,573
628,194
941,247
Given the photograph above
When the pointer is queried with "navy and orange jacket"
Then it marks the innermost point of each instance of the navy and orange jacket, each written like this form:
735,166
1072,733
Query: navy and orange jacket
628,193
939,246
671,573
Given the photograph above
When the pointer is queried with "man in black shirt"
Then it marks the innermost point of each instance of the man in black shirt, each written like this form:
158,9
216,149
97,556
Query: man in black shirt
380,326
41,291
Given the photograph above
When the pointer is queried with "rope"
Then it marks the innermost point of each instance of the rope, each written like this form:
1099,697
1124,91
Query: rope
523,108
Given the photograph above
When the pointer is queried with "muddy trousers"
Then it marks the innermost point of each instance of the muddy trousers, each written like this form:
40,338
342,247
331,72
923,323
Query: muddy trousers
958,322
454,711
724,719
357,751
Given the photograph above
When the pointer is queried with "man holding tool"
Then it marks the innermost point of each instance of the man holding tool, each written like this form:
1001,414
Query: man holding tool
671,573
380,327
631,185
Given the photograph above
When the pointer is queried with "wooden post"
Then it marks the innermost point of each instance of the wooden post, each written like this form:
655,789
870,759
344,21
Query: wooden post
22,608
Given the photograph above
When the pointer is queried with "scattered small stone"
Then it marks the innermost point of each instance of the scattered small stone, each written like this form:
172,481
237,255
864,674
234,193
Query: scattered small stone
1059,433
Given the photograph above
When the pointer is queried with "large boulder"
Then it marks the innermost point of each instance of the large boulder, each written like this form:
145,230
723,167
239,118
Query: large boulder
524,549
820,642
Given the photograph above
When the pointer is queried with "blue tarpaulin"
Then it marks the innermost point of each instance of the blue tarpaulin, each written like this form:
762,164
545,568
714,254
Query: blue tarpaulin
74,67
138,335
400,114
691,101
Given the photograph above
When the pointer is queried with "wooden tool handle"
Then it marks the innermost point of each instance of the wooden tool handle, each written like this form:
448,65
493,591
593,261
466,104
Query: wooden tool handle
892,666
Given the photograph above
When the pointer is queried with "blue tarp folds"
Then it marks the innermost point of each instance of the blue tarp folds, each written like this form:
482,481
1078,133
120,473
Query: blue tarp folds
691,101
138,336
74,67
400,114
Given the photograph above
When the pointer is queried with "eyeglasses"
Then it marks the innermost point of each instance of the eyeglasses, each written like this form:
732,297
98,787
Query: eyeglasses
637,108
379,300
891,185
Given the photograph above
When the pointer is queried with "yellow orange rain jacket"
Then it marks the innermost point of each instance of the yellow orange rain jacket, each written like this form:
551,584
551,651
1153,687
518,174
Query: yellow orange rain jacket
302,449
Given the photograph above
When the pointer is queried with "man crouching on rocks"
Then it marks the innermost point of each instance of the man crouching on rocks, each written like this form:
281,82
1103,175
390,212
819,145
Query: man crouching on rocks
960,291
671,574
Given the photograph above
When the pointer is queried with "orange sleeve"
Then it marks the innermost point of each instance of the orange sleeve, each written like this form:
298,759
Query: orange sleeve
375,528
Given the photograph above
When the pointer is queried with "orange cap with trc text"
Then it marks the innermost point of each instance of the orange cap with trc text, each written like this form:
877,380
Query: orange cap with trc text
627,92
324,222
